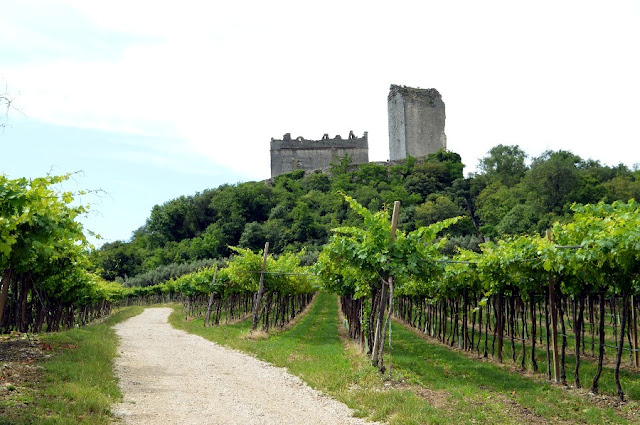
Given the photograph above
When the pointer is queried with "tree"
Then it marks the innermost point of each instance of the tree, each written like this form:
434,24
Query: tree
493,204
505,164
43,252
452,162
253,236
552,178
6,104
622,188
436,208
118,259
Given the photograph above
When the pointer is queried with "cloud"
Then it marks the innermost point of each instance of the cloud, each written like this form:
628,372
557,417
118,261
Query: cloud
226,77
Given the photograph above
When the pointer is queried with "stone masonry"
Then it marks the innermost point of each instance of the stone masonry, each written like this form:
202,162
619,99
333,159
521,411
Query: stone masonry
292,154
416,122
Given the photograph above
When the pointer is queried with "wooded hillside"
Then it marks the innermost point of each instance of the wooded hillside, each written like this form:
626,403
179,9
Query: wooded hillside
510,194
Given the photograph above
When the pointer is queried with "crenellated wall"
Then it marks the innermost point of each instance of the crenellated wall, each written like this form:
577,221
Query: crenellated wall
289,154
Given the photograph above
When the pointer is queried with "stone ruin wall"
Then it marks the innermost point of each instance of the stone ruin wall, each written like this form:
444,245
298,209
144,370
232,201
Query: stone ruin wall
416,122
290,154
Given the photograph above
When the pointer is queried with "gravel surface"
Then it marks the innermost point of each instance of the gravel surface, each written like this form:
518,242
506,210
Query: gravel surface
169,376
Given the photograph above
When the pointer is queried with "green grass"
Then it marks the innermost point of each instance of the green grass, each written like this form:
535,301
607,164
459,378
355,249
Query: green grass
630,378
485,391
431,383
629,375
314,351
79,385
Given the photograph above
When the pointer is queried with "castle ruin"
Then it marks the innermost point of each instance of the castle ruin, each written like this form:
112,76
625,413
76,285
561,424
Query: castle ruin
293,154
416,122
416,128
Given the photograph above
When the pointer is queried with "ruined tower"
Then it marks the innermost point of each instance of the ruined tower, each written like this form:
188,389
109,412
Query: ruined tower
301,154
416,122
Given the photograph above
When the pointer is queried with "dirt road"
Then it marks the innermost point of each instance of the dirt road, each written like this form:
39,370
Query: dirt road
171,377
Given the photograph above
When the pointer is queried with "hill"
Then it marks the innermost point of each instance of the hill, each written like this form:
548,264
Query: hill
509,195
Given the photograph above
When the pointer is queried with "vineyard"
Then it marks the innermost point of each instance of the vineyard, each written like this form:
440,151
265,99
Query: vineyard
518,290
47,284
562,305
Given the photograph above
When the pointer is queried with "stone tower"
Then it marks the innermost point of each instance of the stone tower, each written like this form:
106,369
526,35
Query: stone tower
416,122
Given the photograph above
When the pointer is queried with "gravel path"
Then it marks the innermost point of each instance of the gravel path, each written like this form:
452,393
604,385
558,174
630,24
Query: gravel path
169,376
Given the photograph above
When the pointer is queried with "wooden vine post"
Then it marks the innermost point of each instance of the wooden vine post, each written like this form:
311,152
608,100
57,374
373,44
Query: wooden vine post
394,227
379,336
376,353
256,305
554,323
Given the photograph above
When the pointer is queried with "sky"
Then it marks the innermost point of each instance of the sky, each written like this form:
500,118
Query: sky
148,100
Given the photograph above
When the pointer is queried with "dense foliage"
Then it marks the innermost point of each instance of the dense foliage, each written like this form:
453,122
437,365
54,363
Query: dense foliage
593,261
362,262
229,292
508,196
170,271
43,258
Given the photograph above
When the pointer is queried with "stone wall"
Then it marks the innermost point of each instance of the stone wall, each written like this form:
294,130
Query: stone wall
290,154
416,122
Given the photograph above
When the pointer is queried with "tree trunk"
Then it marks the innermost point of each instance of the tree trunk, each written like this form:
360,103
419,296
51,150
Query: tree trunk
6,281
210,304
579,334
500,325
479,329
384,328
563,375
625,299
523,315
267,311
486,333
547,326
375,300
512,322
594,384
592,326
534,363
258,299
465,301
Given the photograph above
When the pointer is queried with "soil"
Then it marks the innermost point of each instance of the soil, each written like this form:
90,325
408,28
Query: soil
172,377
20,371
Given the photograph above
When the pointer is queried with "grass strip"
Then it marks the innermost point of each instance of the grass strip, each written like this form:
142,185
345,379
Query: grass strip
629,375
78,385
487,392
432,383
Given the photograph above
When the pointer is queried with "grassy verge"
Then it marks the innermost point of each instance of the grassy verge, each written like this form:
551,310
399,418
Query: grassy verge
483,391
432,383
76,385
629,375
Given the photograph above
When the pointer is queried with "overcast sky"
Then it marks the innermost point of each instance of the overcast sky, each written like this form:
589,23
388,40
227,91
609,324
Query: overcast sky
152,100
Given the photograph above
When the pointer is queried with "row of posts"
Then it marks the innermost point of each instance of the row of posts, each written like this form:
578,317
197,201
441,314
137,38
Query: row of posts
554,327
